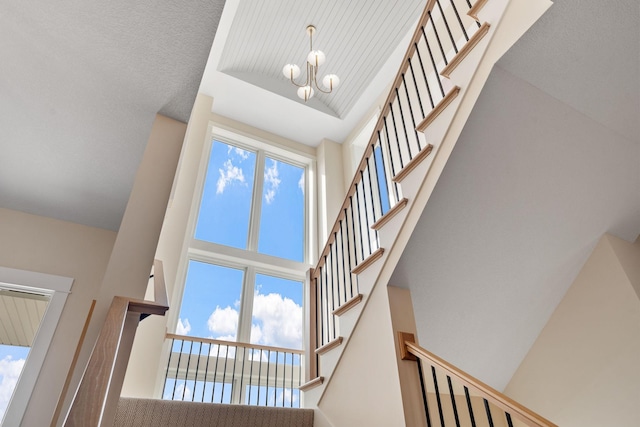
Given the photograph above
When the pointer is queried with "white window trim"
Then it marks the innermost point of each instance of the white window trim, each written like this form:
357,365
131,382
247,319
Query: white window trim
58,287
250,259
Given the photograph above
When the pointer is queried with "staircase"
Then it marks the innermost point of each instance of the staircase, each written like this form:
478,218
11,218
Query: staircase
451,54
168,413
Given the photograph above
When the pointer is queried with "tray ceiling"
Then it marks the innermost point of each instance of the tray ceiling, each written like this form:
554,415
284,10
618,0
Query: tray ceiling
357,36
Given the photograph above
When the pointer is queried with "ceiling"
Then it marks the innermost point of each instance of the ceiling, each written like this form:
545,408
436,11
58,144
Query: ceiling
20,316
532,184
364,41
547,163
80,84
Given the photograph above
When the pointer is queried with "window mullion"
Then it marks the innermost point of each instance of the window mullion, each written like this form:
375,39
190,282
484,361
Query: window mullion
256,203
246,305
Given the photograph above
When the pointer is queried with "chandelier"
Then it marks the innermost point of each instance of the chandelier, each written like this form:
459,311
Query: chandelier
315,59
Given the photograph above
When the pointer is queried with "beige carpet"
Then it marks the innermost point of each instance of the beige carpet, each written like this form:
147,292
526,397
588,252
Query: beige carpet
168,413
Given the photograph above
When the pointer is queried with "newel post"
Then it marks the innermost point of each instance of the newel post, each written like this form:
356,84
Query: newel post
311,327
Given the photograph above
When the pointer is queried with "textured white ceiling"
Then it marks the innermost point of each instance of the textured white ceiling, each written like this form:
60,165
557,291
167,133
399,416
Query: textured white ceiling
364,41
543,168
80,84
587,55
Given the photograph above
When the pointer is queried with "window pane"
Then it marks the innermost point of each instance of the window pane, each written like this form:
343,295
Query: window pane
282,216
226,199
277,312
211,302
12,360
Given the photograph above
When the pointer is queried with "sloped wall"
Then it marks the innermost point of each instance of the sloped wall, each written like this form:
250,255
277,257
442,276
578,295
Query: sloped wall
583,369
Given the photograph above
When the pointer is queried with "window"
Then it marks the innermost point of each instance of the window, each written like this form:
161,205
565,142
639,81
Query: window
251,244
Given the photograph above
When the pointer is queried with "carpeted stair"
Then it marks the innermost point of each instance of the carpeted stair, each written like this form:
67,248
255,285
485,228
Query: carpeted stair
168,413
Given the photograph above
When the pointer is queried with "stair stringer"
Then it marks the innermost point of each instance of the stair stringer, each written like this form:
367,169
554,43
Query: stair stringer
509,20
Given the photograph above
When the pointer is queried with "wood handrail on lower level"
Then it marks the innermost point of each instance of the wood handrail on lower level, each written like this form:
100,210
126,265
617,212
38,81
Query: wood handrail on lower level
409,350
233,343
110,354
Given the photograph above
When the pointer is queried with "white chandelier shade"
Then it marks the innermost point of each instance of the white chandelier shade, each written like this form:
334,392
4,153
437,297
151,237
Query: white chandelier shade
315,59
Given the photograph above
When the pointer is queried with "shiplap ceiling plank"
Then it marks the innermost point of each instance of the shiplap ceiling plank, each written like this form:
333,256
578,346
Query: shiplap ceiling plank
357,36
20,316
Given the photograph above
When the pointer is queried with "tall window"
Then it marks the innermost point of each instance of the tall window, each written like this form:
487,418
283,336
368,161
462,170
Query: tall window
250,247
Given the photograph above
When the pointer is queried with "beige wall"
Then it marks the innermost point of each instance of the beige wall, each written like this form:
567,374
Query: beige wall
144,364
102,263
46,245
584,370
330,187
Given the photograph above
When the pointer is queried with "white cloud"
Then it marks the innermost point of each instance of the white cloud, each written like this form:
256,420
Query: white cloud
181,389
183,328
271,181
259,355
223,350
301,182
243,154
223,321
9,373
279,321
284,395
228,174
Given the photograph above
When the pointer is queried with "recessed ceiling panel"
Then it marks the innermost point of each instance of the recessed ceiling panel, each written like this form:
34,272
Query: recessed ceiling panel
357,37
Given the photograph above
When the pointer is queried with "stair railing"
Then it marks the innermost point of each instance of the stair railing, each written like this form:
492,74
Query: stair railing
446,31
451,395
217,371
96,397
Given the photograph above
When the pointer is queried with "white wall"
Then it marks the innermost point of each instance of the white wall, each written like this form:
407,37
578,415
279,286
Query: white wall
583,369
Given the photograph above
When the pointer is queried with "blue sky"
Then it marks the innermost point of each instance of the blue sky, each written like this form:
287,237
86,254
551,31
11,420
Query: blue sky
226,203
211,301
12,360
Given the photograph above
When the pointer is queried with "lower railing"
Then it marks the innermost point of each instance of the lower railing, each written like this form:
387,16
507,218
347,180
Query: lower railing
96,398
215,371
453,397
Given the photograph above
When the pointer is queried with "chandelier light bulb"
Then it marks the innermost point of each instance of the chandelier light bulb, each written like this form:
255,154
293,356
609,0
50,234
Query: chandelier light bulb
316,58
309,86
330,81
305,93
291,71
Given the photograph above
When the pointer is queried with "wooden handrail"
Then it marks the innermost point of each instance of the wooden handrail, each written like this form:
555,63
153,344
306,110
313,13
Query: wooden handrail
159,286
410,350
424,18
94,390
67,382
233,343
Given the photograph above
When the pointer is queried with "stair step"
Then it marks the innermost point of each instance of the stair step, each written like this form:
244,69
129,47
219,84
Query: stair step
468,47
311,384
390,214
329,346
473,12
439,108
413,163
348,305
367,262
169,413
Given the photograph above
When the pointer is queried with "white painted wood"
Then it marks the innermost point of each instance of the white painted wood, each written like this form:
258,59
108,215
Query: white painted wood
58,288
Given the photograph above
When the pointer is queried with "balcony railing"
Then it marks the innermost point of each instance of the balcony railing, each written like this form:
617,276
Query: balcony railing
215,371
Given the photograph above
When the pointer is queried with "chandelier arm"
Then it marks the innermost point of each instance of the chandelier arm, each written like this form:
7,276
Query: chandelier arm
315,81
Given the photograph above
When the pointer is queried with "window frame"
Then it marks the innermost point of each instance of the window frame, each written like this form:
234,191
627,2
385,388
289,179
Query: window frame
249,260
